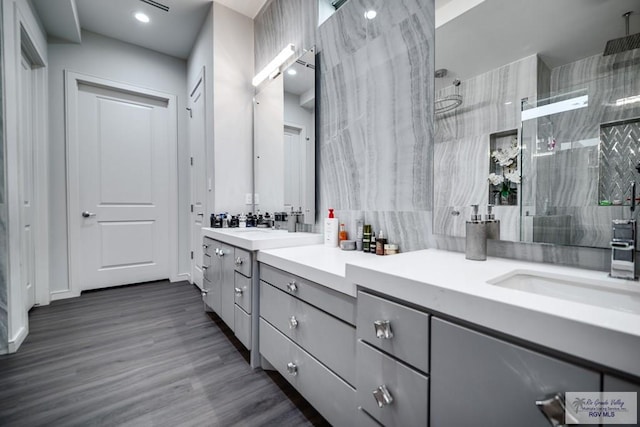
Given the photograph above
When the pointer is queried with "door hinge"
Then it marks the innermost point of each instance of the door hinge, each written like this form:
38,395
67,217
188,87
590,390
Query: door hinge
192,161
191,254
191,208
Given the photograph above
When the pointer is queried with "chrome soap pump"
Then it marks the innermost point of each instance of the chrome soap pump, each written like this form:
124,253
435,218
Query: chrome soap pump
492,224
476,237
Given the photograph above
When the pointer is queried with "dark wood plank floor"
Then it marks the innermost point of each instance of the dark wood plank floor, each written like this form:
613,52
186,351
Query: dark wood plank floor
142,355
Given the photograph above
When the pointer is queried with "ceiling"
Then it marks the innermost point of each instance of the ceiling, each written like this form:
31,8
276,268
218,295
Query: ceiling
493,33
173,32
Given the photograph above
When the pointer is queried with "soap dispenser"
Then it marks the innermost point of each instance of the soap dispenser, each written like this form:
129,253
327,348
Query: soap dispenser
476,237
492,224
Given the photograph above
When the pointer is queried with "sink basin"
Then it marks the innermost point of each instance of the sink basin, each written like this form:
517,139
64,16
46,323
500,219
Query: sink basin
612,294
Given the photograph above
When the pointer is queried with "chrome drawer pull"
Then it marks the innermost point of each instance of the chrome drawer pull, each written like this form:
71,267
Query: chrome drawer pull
217,251
553,408
382,396
293,322
221,253
292,287
204,293
204,267
239,261
383,329
292,368
238,291
205,246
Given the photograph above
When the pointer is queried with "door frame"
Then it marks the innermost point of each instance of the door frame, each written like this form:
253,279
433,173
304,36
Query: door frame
72,80
22,31
199,81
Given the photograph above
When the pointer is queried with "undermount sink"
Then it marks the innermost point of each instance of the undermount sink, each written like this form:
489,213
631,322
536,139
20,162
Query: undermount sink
612,294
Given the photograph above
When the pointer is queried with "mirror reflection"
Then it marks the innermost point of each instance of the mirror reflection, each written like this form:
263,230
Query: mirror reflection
284,142
540,76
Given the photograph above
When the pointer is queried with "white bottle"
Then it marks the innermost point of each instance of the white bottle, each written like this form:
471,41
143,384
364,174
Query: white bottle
331,228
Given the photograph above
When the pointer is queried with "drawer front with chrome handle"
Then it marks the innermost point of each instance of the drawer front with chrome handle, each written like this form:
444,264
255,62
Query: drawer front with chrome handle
242,261
237,291
312,329
242,291
400,394
395,329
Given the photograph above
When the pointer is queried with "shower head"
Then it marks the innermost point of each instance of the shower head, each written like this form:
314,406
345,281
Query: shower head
623,44
449,102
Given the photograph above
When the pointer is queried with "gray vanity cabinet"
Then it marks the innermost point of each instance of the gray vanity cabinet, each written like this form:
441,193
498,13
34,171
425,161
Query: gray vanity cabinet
228,287
307,334
480,380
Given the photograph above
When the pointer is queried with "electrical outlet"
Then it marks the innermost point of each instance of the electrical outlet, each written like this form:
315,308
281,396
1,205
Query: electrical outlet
247,199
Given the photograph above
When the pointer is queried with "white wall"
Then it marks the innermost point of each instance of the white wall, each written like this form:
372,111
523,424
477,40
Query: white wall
110,59
232,110
17,13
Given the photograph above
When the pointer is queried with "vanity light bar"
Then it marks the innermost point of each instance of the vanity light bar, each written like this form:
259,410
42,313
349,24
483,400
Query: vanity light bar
556,107
626,101
275,63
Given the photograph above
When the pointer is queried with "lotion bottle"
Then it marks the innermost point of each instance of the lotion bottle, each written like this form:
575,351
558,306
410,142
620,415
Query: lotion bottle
331,230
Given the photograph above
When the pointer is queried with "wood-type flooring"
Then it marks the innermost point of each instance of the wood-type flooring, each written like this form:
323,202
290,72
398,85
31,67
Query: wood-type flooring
140,355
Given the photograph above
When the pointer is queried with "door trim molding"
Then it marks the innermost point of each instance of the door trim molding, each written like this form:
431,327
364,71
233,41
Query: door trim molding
72,80
200,80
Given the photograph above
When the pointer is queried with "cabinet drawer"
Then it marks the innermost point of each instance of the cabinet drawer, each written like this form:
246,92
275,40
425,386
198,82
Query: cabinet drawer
328,339
328,394
410,329
336,303
242,291
212,295
242,261
208,246
485,372
242,325
408,388
207,271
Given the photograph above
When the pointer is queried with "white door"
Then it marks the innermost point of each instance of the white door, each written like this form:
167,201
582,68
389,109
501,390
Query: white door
294,163
198,177
123,171
26,134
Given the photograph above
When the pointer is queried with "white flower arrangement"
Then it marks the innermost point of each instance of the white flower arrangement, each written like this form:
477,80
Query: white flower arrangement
506,158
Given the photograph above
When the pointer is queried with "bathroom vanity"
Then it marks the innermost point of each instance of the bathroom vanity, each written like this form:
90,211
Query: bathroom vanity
436,345
231,275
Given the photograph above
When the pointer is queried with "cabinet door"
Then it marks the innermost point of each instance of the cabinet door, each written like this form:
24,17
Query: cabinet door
227,269
480,380
616,384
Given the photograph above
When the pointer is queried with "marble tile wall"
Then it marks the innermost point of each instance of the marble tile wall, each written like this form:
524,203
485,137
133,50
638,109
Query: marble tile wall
350,148
375,107
4,322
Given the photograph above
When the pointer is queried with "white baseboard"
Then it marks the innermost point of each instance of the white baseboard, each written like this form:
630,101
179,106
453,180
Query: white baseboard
17,341
180,277
58,295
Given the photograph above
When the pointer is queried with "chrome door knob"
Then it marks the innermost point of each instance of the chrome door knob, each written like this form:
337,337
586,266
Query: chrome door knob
205,246
239,261
238,291
293,322
204,267
383,396
292,287
87,214
204,292
292,369
383,329
217,251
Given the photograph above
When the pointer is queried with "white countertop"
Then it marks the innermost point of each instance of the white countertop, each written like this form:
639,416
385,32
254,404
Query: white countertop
318,263
445,282
254,239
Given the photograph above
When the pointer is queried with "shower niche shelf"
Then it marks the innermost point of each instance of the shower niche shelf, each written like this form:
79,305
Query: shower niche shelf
506,193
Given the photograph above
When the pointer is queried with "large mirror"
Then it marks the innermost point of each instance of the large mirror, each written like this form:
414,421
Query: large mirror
284,140
537,114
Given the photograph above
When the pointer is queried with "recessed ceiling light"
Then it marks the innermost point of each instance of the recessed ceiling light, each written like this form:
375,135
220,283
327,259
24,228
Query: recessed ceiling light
292,72
508,103
141,17
370,14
